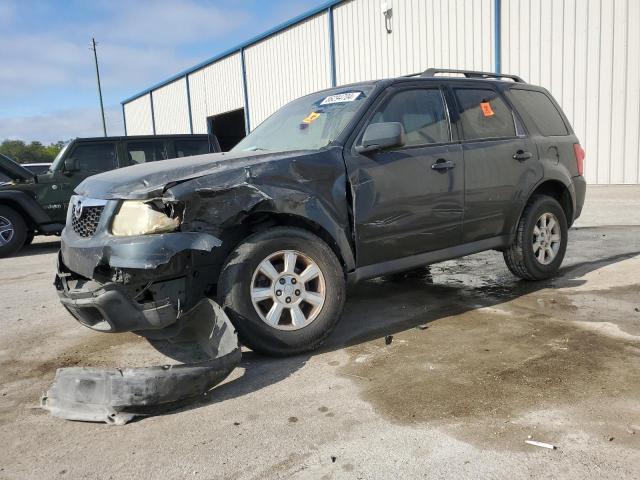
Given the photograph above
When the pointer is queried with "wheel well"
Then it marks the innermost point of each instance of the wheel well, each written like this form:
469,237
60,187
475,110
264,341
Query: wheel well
560,192
18,208
260,221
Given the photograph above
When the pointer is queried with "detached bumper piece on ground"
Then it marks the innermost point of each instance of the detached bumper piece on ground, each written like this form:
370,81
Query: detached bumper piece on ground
116,396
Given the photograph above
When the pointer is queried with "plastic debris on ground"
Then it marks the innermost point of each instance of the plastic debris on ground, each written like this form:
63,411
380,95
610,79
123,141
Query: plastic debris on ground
117,396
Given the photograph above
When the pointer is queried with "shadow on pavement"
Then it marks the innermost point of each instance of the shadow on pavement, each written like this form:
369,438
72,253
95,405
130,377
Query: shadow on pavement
381,307
40,248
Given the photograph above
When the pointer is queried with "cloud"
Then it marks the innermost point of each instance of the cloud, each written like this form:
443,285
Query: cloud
36,61
47,75
62,125
166,22
7,13
139,42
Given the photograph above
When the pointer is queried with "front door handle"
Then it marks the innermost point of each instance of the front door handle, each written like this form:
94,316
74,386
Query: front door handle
522,155
443,164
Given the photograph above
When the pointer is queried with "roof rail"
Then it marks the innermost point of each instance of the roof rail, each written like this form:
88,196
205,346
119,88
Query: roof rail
432,72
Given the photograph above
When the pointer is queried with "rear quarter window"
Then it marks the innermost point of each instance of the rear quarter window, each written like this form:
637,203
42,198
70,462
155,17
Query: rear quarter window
538,109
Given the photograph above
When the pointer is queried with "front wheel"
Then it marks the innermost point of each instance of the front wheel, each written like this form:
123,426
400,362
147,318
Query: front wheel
540,242
284,290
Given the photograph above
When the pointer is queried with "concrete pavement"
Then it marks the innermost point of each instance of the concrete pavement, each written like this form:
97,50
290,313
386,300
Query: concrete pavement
478,362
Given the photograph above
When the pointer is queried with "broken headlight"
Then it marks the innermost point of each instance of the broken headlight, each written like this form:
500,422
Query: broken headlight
141,218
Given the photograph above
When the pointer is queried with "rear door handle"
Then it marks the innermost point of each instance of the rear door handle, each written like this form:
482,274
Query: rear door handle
522,155
443,164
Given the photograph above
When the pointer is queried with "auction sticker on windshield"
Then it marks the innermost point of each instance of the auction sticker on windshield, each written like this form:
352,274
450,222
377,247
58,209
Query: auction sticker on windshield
341,98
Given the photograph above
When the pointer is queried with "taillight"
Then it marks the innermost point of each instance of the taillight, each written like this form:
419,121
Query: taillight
579,151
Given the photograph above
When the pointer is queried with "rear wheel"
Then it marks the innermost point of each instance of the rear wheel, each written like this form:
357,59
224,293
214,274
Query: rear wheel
13,231
284,290
541,240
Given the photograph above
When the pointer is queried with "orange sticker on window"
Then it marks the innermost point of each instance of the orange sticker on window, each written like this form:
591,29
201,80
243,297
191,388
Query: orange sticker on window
312,117
487,111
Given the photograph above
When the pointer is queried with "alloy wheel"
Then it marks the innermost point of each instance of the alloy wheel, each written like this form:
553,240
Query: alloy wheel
288,290
6,231
546,238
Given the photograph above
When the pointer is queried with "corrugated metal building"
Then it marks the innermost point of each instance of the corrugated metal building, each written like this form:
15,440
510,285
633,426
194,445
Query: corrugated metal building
586,52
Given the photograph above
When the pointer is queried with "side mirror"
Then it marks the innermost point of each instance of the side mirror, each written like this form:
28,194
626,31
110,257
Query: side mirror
380,136
70,165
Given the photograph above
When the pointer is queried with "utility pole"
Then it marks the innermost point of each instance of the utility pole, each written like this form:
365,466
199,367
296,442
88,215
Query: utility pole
95,57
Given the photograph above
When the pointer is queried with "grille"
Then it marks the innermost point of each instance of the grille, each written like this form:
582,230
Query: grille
87,224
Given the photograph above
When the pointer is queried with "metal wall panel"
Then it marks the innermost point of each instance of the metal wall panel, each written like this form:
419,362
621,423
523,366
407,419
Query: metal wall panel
586,53
215,89
170,108
425,33
138,116
286,66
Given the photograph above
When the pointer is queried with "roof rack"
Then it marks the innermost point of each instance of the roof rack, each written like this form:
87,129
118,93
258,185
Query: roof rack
432,72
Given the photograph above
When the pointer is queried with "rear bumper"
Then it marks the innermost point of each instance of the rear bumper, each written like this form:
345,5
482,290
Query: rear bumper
119,284
580,190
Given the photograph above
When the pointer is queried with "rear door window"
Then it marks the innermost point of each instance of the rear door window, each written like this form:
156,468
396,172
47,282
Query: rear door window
422,114
95,157
146,151
484,114
187,148
538,108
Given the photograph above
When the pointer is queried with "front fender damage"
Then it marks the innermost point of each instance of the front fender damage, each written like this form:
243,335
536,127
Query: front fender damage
116,396
214,203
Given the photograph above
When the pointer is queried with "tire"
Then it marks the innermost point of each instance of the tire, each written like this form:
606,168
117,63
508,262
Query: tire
28,239
520,257
13,231
241,273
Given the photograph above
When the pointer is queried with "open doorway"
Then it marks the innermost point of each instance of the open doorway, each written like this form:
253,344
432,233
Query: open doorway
228,127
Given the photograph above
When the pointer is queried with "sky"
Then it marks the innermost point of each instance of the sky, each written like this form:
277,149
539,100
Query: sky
48,86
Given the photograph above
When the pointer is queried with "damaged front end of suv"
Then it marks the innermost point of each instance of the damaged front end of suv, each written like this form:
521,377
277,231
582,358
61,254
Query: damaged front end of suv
144,245
265,228
142,252
134,256
124,266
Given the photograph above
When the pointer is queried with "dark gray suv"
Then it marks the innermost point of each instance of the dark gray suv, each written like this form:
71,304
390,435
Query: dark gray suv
338,186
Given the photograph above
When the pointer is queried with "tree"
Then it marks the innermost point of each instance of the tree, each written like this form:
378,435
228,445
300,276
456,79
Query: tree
34,152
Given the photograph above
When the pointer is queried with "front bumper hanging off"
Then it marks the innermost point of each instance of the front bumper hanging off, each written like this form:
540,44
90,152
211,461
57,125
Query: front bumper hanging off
153,265
111,307
143,283
116,396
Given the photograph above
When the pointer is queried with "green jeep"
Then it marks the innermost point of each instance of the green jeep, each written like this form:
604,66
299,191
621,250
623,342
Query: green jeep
37,204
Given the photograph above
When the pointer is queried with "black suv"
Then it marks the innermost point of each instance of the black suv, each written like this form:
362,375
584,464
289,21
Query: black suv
36,203
338,186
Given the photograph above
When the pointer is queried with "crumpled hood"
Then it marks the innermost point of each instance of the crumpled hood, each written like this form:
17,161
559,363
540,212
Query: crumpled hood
140,182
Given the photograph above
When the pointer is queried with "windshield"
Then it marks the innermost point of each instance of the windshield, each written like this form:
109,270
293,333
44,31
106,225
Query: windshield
308,123
55,165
